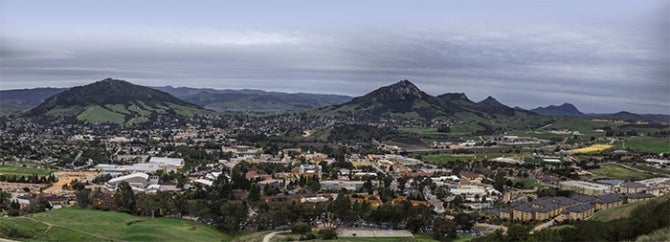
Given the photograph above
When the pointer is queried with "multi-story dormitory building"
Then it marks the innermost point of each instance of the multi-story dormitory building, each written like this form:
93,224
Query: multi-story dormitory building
576,207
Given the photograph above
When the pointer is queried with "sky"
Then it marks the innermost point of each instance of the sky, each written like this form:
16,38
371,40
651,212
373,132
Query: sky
603,56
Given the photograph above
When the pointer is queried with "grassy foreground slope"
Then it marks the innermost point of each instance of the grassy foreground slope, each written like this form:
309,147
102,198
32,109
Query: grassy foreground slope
73,224
623,211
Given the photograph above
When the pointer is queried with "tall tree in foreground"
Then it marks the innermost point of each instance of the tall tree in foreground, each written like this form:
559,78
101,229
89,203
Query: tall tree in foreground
125,198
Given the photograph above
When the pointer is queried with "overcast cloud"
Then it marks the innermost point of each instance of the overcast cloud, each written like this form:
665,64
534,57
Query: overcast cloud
599,55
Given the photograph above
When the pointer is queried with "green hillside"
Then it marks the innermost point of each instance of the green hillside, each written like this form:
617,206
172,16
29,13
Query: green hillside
73,224
623,211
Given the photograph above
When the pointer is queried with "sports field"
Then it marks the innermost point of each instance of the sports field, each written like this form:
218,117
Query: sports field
23,171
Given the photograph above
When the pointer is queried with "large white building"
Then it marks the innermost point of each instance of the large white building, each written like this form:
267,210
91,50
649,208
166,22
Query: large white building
138,181
155,163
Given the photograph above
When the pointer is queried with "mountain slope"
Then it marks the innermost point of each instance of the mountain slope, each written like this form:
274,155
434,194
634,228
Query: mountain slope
247,100
112,101
566,110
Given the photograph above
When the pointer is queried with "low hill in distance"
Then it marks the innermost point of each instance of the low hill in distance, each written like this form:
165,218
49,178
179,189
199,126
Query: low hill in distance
112,101
74,224
23,99
564,110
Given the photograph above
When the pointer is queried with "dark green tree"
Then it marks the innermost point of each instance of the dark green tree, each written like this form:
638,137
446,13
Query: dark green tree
125,198
83,198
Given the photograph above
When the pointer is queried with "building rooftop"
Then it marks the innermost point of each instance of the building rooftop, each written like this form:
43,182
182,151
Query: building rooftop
611,182
578,208
641,195
609,198
633,185
583,198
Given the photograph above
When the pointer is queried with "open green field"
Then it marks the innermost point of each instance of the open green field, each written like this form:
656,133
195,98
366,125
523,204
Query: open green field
618,172
623,211
466,238
99,114
73,224
648,144
538,135
245,236
23,171
419,130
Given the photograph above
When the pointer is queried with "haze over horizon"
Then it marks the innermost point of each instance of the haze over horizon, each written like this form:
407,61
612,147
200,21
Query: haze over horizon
602,56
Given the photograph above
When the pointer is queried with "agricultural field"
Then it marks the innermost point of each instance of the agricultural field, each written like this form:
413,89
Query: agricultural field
618,172
23,171
445,158
442,158
73,224
592,149
577,124
648,144
419,130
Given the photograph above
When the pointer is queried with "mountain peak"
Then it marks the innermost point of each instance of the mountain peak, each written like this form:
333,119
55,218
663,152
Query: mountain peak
491,102
454,97
404,88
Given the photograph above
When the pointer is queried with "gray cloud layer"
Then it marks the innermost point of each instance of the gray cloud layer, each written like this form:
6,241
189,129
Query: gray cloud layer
600,70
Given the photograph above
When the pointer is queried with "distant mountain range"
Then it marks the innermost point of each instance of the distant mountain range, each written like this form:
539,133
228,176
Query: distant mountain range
248,100
113,101
569,110
24,99
402,98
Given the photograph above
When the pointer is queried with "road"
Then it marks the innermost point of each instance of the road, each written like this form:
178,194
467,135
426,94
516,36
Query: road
487,229
269,236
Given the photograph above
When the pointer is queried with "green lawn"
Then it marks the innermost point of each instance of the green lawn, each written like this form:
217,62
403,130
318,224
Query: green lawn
73,224
623,211
618,172
23,171
465,238
529,183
